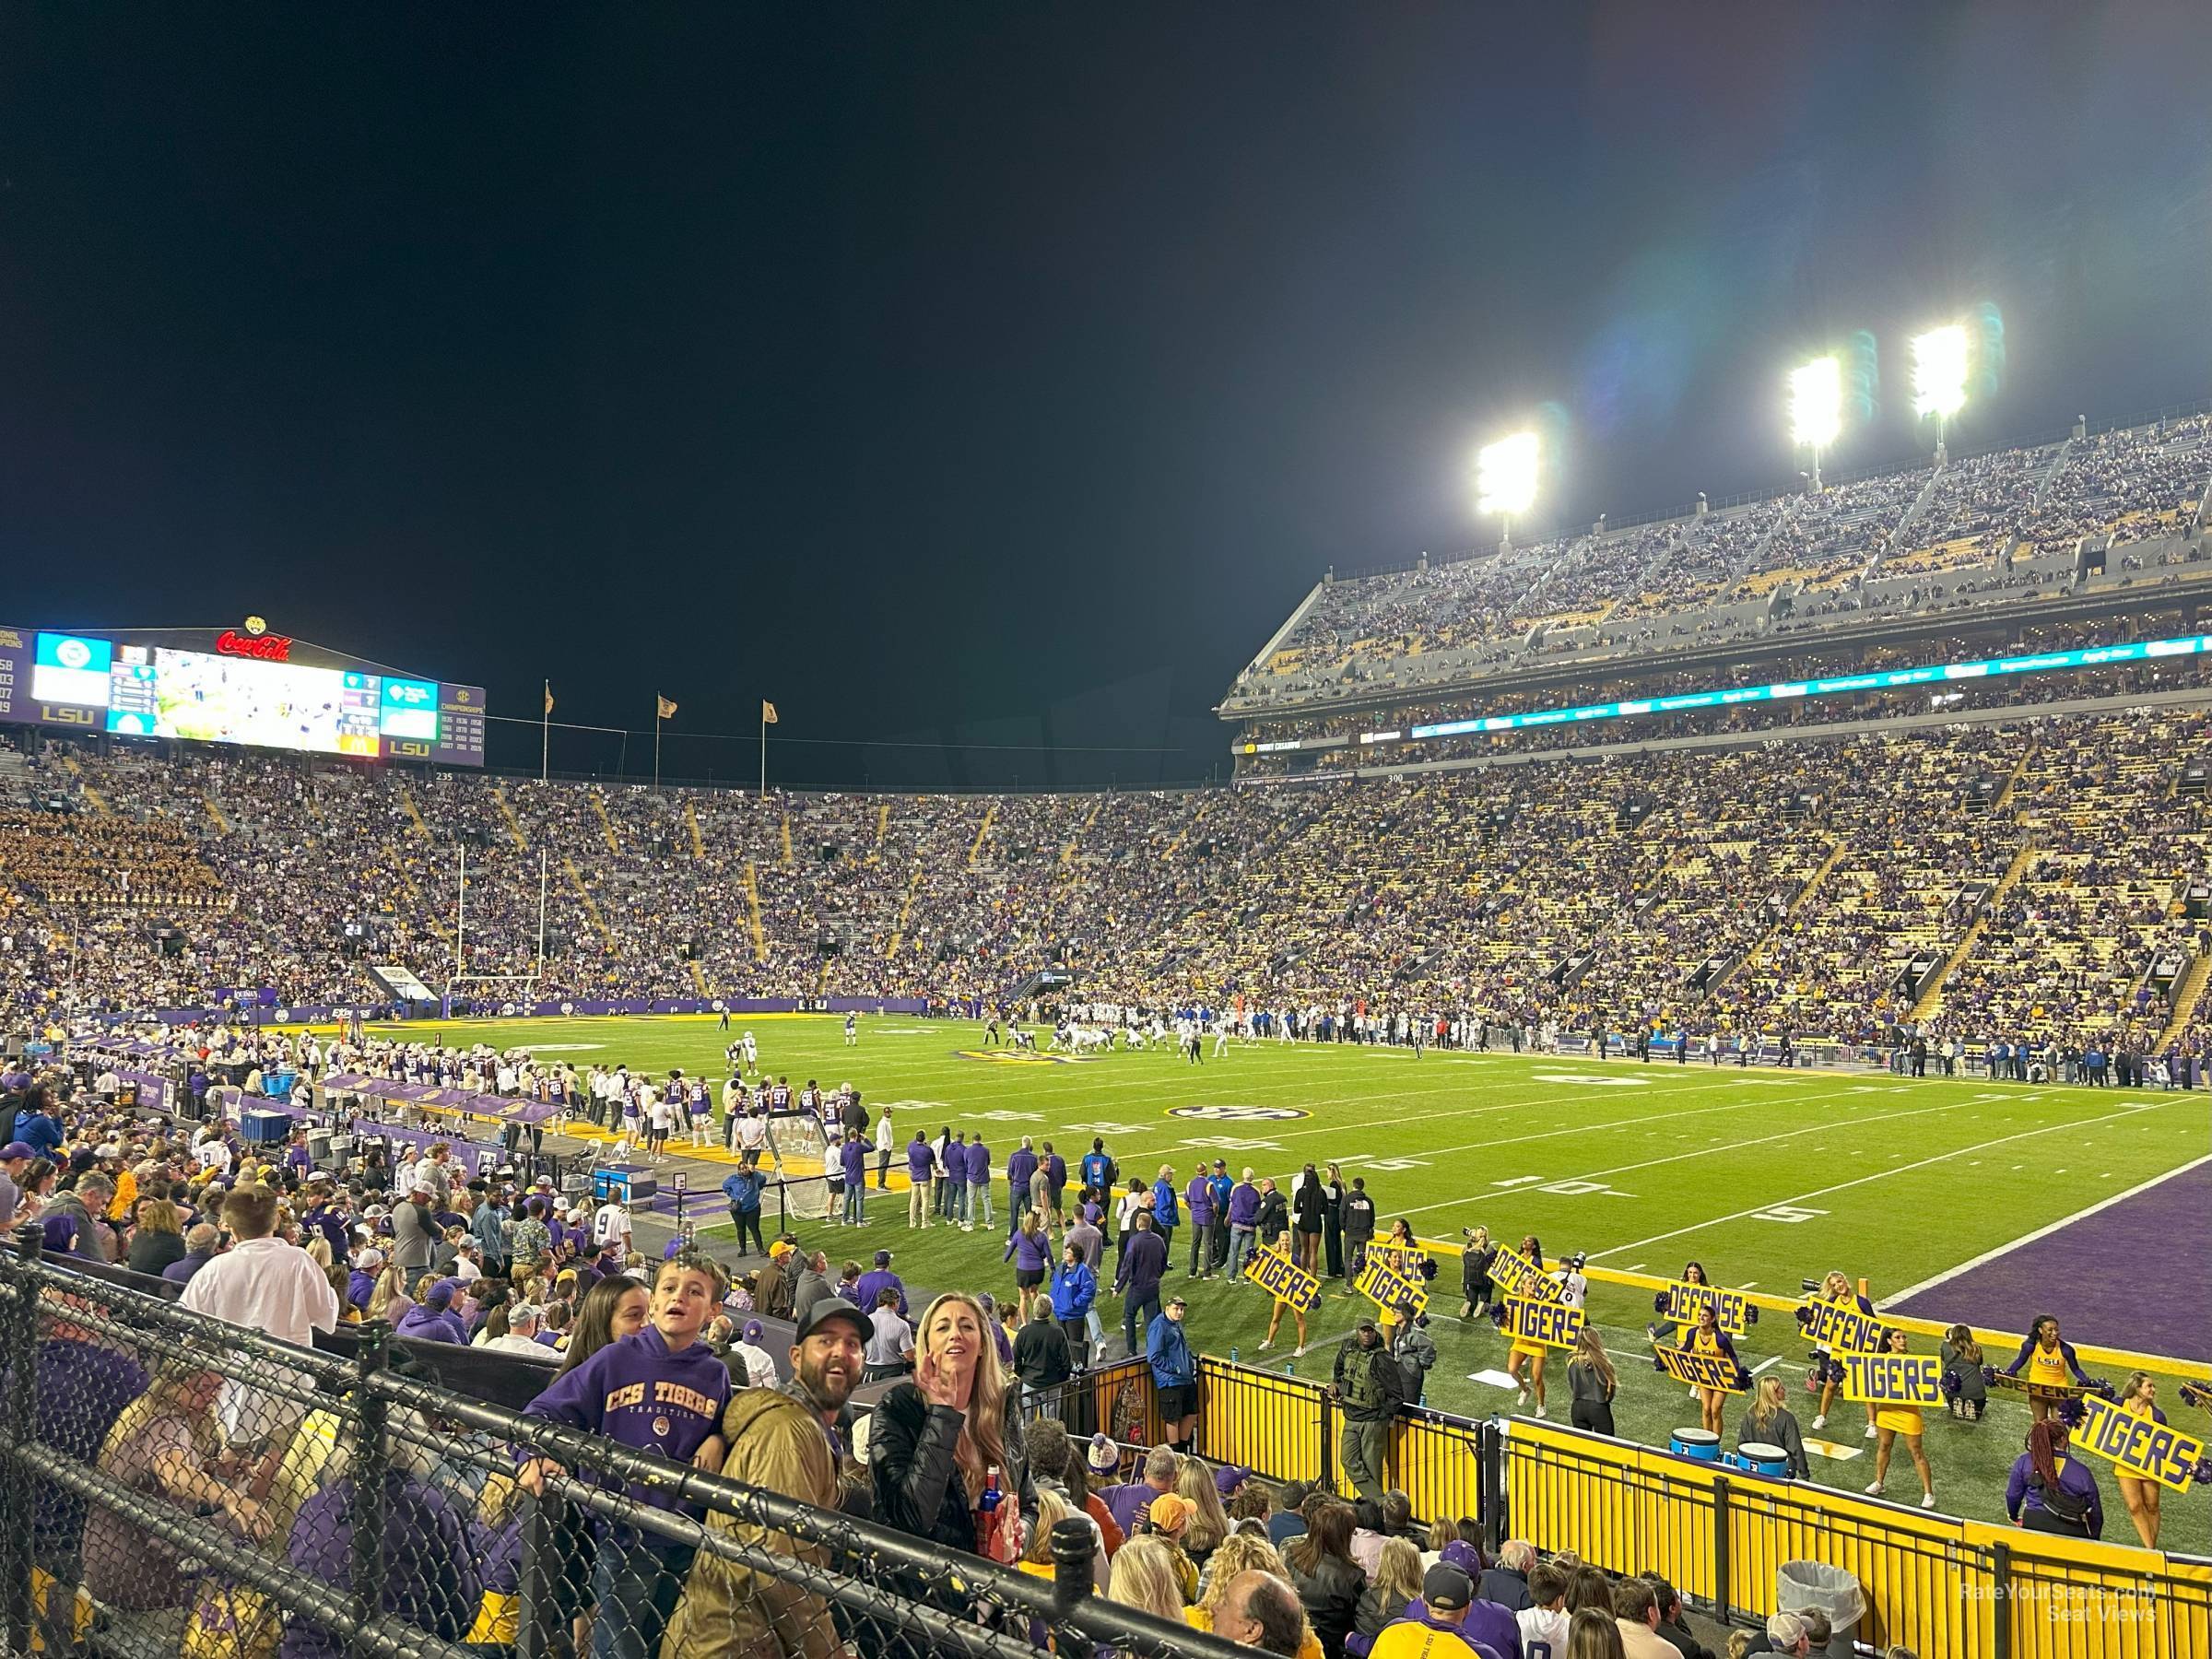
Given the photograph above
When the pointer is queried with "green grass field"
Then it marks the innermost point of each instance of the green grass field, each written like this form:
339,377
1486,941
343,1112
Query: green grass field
1766,1177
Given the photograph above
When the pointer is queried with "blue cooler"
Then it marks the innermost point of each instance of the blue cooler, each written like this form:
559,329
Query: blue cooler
1699,1444
626,1183
265,1128
1758,1458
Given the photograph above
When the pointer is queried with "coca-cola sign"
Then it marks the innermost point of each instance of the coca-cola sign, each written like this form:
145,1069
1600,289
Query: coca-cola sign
268,648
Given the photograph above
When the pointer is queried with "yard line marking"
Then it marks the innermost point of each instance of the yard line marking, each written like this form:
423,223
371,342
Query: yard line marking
1677,1156
1747,1284
1637,1268
1949,1274
1862,1179
1764,1363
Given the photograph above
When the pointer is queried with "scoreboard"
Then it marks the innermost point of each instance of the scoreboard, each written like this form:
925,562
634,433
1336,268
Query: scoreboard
227,685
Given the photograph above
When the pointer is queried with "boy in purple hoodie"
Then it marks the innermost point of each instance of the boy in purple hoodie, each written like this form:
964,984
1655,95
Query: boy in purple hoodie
663,1391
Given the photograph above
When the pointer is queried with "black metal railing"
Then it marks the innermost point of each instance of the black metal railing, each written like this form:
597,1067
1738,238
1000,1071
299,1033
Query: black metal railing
170,1483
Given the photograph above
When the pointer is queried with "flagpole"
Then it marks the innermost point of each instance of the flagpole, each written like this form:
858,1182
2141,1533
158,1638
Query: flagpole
544,752
764,751
656,744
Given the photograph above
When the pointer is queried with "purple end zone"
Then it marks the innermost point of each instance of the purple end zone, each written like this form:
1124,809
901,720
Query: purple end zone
2135,1276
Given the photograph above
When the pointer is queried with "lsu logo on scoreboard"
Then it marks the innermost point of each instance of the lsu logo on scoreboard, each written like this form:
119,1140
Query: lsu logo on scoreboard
1892,1380
1702,1371
1284,1280
1549,1323
1386,1287
2140,1446
1517,1276
1840,1326
1730,1308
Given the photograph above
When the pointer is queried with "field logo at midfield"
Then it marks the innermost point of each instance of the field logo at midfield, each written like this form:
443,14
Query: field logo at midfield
1596,1082
1020,1057
1239,1115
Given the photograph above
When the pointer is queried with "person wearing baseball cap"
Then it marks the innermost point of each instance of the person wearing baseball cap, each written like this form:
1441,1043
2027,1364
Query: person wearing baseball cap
1174,1374
1102,1457
881,1279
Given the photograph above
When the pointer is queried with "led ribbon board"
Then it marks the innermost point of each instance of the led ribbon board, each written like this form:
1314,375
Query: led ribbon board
1934,674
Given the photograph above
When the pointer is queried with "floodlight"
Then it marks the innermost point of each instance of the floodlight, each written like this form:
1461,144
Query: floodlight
1939,371
1817,404
1505,476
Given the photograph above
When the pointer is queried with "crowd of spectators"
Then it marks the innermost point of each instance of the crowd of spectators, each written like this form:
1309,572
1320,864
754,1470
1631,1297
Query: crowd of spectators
1911,540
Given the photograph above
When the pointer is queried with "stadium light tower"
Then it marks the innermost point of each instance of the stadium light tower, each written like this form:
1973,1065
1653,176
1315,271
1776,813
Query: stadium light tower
1816,408
1939,379
1505,480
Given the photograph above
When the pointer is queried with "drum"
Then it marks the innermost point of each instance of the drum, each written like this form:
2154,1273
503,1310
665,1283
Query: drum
1701,1443
1762,1459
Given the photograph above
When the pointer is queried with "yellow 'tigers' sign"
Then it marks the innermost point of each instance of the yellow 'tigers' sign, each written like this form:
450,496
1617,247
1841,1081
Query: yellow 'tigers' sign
1284,1280
2138,1446
1702,1371
1892,1380
1552,1324
1389,1288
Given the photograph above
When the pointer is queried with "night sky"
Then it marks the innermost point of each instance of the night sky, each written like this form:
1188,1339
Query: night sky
994,374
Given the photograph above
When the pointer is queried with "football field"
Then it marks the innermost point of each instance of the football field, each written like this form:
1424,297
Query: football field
1953,1199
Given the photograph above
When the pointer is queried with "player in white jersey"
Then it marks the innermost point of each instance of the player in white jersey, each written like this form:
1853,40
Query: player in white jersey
752,1052
852,1030
1220,1040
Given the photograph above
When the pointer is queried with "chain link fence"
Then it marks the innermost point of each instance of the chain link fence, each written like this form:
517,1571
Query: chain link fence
175,1486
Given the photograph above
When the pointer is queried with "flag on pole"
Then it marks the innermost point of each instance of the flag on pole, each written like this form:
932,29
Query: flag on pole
549,697
768,713
668,708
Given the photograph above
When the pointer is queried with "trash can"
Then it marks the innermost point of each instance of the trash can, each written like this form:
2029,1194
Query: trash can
1814,1587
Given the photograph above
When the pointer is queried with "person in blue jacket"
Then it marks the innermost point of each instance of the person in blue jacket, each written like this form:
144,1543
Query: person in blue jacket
2049,1491
1174,1374
1165,1215
742,1191
433,1319
1074,1289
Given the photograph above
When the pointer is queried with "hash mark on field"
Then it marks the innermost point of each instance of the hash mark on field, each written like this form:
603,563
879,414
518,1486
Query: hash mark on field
1764,1363
1747,1284
1637,1268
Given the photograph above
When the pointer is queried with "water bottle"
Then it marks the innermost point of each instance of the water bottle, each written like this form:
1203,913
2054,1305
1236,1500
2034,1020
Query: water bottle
1232,1354
1289,1367
992,1496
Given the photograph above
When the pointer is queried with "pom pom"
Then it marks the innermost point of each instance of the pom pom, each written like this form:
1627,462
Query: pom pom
1950,1387
2103,1390
2202,1474
2070,1413
1750,1314
1989,1375
1804,1318
1659,1302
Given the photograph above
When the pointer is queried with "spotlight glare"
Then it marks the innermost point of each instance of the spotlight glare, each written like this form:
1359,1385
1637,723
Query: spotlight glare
1817,402
1505,476
1939,371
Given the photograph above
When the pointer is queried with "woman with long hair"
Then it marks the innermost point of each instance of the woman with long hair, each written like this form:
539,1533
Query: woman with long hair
1525,1354
1964,1387
1593,1633
945,1451
1590,1383
166,1444
1893,1423
1475,1260
1328,1581
2050,1491
1209,1520
613,1308
2050,1362
159,1237
2138,1396
1836,1287
1148,1577
1708,1341
1029,1248
387,1296
1396,1582
1769,1423
1332,1218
